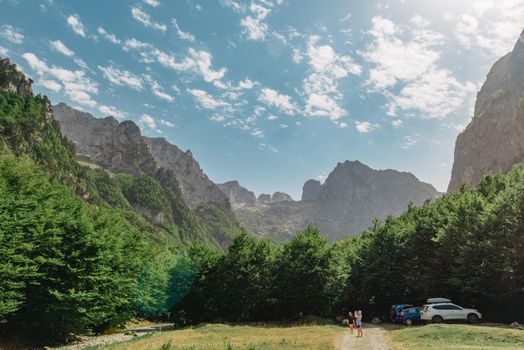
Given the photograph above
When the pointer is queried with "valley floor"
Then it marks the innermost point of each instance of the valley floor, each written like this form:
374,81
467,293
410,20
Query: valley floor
328,337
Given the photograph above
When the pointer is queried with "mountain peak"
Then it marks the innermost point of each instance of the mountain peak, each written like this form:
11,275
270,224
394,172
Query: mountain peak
120,147
13,80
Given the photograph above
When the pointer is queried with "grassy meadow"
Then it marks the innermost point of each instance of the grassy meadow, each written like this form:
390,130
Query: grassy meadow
241,337
457,336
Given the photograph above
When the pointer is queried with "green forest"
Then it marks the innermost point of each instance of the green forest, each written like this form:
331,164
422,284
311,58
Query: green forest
76,258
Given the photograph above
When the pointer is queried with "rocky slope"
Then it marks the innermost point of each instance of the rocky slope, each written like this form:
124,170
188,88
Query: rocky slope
352,196
493,140
120,147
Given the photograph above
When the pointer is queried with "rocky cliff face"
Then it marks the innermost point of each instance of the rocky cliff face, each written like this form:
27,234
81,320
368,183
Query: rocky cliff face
239,196
116,146
493,140
12,80
120,147
352,196
195,185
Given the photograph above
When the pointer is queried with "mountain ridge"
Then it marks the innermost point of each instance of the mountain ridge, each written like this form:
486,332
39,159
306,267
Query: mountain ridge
120,146
352,196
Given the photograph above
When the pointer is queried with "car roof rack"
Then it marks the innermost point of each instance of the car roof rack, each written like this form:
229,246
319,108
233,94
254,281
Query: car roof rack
438,300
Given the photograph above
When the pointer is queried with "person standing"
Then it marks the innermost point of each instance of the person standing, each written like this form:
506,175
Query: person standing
351,322
358,322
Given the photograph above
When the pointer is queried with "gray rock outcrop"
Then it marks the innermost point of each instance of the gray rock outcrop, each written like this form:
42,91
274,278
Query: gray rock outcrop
280,197
311,190
120,147
494,139
239,196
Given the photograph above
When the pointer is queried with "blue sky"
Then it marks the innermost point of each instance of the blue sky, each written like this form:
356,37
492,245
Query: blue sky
272,92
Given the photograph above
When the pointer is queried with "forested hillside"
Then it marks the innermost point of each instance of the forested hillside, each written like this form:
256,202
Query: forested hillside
78,243
150,200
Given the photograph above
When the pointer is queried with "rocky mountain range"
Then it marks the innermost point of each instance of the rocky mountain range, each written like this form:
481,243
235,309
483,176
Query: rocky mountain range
352,196
120,147
494,139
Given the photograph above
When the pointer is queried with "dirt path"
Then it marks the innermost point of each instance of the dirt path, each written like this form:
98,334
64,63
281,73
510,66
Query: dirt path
374,339
104,340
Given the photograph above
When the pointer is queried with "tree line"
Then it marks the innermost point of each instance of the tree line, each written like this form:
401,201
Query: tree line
67,267
467,246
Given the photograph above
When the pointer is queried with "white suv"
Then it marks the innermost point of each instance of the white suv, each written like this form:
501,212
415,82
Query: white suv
439,312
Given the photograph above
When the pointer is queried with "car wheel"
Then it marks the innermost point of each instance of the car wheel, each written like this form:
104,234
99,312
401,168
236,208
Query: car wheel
409,322
437,319
473,318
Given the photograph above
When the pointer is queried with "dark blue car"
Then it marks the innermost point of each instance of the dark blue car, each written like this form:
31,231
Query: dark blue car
410,315
394,314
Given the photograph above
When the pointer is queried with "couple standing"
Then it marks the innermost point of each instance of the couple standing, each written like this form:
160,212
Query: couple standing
355,320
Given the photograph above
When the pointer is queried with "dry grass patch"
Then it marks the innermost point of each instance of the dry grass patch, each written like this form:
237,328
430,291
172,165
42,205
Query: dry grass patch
252,337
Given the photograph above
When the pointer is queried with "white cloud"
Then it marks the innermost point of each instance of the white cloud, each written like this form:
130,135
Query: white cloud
365,127
81,63
239,8
206,100
217,118
321,86
108,36
270,148
122,77
3,51
297,55
323,176
76,85
343,125
490,25
157,89
50,84
110,110
75,24
133,81
197,61
58,46
149,121
254,27
410,141
167,123
407,73
153,3
246,84
272,117
134,44
345,18
397,123
258,133
145,19
183,35
11,34
273,98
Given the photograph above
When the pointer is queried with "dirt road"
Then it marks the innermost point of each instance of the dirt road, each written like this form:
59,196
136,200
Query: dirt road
104,340
374,339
